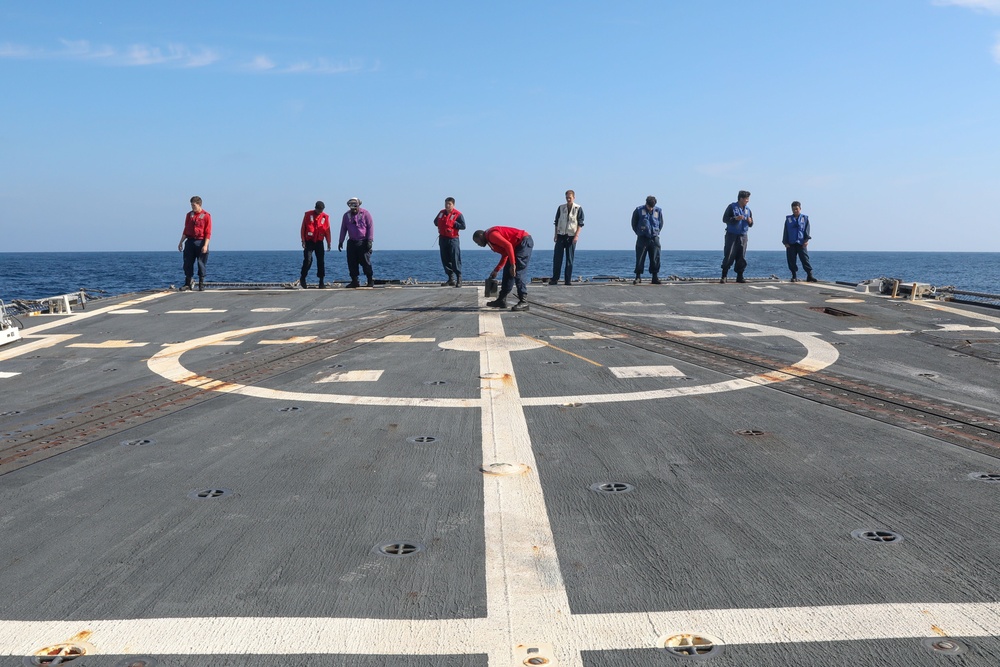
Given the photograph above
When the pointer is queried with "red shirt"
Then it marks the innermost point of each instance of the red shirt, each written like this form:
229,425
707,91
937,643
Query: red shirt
315,227
503,240
198,225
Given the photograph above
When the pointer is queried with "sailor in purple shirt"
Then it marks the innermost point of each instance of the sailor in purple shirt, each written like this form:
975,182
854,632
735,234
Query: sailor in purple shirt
358,227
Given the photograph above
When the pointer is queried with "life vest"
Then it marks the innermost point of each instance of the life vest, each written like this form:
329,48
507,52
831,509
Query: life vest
567,224
446,223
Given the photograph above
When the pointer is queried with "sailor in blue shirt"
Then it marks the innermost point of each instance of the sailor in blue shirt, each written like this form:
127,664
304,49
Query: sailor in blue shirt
738,219
795,238
647,221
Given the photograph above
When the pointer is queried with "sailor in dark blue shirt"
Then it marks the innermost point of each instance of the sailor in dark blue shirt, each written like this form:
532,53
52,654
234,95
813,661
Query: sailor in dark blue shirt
738,218
795,238
647,221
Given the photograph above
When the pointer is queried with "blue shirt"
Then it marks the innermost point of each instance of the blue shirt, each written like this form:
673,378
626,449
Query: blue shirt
647,223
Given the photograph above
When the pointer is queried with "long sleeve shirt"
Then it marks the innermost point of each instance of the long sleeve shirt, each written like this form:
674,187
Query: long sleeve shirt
503,240
357,226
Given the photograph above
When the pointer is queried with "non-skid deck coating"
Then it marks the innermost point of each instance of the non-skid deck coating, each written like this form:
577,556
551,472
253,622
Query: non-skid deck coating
751,429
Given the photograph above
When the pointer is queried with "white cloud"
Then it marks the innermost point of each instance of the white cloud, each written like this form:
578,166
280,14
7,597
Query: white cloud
261,64
134,55
991,6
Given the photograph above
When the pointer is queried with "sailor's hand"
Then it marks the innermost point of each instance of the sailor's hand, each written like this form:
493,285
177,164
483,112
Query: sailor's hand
340,248
180,246
493,276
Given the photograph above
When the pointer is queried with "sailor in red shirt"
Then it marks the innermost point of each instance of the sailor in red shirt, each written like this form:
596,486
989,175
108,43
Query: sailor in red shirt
315,229
194,243
514,247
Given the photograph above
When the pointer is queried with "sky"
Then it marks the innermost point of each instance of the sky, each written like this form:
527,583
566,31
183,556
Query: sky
880,116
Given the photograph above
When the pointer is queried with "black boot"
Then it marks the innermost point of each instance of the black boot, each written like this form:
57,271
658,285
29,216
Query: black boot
739,278
499,303
302,282
188,282
638,279
794,278
655,280
322,284
201,284
458,280
810,278
520,306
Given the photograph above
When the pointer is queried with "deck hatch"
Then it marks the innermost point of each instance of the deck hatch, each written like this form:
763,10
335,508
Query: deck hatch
612,487
687,645
992,477
877,536
137,442
750,432
943,645
836,312
398,549
209,494
422,439
288,408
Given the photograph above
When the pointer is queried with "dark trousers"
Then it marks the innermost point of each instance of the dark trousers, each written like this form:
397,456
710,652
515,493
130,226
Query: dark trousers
565,247
735,251
522,255
307,259
359,256
647,245
451,256
192,254
797,250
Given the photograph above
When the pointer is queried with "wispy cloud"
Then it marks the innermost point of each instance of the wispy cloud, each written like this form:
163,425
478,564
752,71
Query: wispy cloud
317,66
177,55
991,6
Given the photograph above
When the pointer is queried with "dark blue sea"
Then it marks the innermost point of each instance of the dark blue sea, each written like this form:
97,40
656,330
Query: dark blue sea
38,275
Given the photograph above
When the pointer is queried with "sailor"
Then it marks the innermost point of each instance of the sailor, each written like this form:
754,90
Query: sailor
738,218
647,221
315,229
514,247
795,238
358,227
194,243
448,222
569,222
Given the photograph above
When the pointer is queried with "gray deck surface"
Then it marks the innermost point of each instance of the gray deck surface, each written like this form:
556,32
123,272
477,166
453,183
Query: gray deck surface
756,432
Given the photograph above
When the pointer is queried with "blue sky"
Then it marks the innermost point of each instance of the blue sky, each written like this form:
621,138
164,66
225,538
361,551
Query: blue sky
879,115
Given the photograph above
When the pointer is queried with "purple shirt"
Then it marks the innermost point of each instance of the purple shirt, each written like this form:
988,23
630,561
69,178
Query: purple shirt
357,226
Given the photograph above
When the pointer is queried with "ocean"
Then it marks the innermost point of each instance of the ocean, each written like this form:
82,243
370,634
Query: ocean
39,275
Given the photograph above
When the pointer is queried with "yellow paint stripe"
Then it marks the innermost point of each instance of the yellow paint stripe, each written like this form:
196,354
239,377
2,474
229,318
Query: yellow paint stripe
572,354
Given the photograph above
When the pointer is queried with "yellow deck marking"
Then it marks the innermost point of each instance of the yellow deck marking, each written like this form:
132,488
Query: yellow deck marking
353,376
33,342
109,344
572,354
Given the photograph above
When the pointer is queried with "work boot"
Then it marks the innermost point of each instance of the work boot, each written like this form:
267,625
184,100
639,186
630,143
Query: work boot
638,279
739,278
302,283
354,284
458,280
794,279
201,285
370,283
187,285
322,284
520,306
553,282
568,283
449,283
722,280
499,303
811,279
655,280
